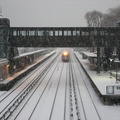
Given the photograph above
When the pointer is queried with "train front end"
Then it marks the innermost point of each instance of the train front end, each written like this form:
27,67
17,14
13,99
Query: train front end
65,56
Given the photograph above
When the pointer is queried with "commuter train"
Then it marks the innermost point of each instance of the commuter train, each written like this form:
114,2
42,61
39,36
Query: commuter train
19,62
23,60
65,56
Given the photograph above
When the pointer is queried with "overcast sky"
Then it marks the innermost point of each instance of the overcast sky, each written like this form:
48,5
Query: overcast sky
52,13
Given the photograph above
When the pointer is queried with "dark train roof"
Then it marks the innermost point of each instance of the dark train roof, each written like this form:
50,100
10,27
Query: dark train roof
29,53
3,61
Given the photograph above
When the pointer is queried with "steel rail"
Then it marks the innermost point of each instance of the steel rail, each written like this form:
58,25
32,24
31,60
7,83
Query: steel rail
56,93
74,107
28,76
35,91
13,107
81,70
22,90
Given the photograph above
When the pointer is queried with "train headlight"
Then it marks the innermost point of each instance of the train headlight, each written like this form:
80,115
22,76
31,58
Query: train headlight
65,53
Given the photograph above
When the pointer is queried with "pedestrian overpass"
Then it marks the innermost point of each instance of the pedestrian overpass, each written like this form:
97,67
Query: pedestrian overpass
64,36
11,37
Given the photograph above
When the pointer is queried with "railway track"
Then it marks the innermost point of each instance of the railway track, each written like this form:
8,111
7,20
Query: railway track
34,92
21,82
74,107
9,108
45,87
85,96
31,76
58,92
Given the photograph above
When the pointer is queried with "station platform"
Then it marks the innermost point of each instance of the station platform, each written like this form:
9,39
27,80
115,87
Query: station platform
11,80
105,83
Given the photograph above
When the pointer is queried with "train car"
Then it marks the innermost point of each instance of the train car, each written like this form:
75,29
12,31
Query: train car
25,59
65,56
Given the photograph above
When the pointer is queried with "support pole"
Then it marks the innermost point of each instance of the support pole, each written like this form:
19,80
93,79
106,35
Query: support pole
98,60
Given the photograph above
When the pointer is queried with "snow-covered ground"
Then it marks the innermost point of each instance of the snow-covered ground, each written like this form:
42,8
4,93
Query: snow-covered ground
62,93
106,112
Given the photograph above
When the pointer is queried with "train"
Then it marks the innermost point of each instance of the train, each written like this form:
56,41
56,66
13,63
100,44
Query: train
19,66
65,56
21,61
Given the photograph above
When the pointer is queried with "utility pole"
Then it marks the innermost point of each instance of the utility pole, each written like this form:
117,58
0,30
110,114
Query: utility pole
98,60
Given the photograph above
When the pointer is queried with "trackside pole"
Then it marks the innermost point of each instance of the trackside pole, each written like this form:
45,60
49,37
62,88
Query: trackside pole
98,60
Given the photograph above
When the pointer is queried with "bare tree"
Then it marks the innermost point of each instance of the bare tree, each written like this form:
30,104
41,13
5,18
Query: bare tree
97,19
115,12
108,20
94,18
112,17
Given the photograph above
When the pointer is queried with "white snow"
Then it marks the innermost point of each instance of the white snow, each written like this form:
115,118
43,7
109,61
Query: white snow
44,96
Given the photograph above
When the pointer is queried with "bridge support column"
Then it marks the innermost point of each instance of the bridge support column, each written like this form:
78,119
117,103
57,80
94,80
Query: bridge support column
98,60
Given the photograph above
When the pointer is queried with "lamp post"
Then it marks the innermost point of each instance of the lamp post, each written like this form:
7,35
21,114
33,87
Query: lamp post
117,61
116,64
98,60
110,67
